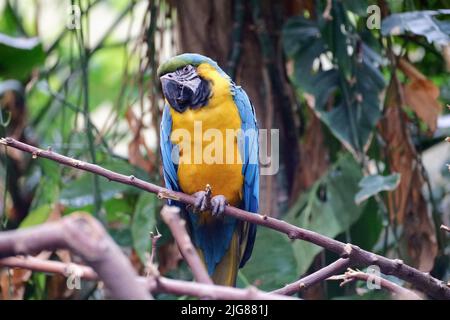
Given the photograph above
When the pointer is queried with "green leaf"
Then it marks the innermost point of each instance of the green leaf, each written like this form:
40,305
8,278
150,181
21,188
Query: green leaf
19,56
272,264
47,178
122,236
371,185
8,21
352,83
366,231
144,221
422,23
328,208
80,192
119,210
37,216
336,38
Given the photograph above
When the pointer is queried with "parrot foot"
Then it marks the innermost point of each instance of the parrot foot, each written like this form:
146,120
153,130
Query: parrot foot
204,202
218,204
202,199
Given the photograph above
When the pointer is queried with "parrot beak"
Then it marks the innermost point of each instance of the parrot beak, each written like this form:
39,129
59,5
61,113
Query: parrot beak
180,93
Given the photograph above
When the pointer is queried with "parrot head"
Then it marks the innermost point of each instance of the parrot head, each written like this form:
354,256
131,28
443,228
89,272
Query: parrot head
182,86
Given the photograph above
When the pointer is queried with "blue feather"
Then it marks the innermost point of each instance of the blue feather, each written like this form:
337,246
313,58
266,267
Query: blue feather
249,148
169,167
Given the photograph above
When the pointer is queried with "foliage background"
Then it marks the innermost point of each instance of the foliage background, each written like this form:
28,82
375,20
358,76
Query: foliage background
361,114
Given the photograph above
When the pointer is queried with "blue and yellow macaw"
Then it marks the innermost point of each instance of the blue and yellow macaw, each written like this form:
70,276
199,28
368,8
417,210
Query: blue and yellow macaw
197,90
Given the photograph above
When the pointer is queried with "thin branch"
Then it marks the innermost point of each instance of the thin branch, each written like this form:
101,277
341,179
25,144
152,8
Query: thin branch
36,264
151,261
316,277
85,236
358,257
398,291
209,291
155,284
445,228
171,216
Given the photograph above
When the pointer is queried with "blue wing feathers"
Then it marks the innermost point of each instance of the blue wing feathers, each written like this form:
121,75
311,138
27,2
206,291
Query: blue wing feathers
169,167
250,169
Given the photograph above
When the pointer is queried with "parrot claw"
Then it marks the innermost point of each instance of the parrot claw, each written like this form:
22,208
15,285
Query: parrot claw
202,199
204,202
218,204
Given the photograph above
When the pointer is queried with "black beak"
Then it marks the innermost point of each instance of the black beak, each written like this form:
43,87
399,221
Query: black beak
179,93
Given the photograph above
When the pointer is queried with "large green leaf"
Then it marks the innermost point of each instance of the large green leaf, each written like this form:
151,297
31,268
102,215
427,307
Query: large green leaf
272,264
18,56
144,221
352,82
365,232
328,208
45,179
371,185
80,192
422,23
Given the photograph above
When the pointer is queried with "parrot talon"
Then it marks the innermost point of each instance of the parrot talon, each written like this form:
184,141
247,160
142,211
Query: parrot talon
218,204
202,201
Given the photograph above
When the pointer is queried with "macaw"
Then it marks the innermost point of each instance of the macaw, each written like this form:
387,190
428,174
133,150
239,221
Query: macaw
197,90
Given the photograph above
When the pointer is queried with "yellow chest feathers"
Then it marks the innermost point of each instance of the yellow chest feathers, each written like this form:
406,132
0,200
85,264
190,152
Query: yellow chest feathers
206,137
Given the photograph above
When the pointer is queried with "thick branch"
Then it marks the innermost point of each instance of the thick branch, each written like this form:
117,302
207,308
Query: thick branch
398,291
318,276
171,217
358,257
85,236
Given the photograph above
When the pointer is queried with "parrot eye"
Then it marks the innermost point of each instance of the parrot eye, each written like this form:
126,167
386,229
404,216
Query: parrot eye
186,69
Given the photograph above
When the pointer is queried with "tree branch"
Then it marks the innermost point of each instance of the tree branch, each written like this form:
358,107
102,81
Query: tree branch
398,291
86,237
445,228
358,257
36,264
155,284
172,218
318,276
150,265
209,291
